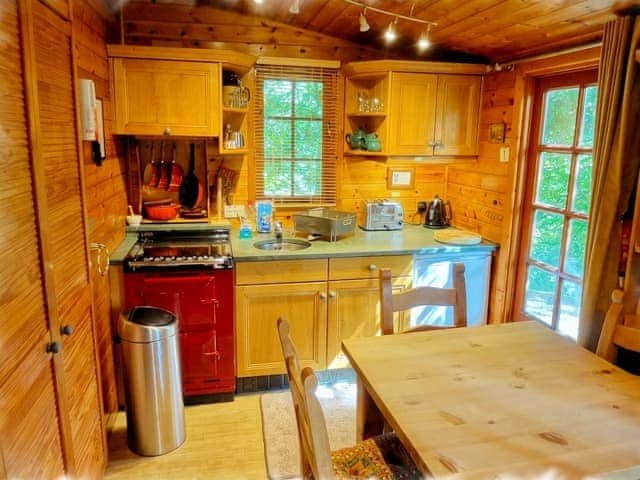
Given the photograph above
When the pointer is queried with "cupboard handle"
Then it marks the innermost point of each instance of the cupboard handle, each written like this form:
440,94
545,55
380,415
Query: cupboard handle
373,267
66,330
432,143
323,296
332,295
53,347
167,131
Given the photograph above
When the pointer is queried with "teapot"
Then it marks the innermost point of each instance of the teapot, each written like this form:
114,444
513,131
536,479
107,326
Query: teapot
372,142
356,140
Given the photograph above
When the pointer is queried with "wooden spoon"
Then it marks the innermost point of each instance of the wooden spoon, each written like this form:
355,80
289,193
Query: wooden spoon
149,168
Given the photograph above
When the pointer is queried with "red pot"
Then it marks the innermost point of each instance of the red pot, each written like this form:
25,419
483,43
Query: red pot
161,212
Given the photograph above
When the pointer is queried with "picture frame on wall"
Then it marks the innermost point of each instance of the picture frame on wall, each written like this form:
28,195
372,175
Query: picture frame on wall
400,178
496,132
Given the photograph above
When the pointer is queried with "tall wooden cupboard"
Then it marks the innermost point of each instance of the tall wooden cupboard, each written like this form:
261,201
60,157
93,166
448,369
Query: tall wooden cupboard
51,422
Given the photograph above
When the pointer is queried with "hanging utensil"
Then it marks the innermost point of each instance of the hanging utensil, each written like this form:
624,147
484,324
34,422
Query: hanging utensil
149,170
163,181
190,188
176,174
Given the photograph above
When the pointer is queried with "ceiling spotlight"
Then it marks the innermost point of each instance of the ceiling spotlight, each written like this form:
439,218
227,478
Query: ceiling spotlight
364,25
423,41
390,33
295,7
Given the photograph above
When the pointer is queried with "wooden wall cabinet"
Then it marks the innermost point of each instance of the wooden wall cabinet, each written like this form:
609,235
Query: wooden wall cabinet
430,109
326,301
434,115
166,97
174,91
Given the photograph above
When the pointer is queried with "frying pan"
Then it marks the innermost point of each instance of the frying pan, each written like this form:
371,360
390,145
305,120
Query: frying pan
149,171
191,188
175,173
163,182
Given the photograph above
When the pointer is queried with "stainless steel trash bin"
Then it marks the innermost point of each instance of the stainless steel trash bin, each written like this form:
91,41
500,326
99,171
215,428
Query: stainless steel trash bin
152,381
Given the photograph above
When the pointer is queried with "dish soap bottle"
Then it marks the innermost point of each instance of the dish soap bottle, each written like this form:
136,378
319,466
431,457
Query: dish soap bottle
245,228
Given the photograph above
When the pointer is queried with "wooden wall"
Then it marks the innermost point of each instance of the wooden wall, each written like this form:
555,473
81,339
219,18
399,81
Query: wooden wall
480,192
105,185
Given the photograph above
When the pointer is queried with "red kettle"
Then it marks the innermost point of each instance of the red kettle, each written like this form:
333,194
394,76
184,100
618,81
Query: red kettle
438,213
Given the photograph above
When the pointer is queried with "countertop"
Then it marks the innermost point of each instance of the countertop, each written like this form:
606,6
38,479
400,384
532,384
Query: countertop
412,239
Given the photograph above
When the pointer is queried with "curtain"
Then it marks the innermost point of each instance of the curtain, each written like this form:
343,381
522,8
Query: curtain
616,160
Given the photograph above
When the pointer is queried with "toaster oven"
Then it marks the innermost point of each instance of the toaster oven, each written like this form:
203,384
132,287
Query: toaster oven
382,215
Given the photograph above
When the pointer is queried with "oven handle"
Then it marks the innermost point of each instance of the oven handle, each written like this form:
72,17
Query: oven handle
216,354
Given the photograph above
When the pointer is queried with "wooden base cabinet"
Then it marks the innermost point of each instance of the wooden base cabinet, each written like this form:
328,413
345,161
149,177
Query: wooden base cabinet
326,301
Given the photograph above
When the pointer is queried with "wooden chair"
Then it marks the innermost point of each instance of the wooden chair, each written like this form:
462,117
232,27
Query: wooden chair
618,329
455,297
381,457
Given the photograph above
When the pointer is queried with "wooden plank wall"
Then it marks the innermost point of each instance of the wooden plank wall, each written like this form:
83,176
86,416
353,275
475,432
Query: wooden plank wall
105,185
480,192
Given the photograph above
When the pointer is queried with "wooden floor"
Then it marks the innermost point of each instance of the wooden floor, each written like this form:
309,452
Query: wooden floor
224,441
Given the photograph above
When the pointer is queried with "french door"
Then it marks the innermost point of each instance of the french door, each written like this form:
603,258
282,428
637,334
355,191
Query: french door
556,202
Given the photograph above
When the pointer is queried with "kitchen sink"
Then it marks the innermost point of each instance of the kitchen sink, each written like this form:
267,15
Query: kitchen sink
284,244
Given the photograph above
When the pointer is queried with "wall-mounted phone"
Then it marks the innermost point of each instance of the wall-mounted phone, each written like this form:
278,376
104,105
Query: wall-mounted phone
91,119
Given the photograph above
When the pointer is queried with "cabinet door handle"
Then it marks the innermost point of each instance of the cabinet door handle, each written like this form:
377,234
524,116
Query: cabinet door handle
432,143
439,144
323,296
332,295
167,131
66,330
373,267
53,347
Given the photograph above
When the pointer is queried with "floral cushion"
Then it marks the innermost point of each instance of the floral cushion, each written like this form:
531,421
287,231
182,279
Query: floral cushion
381,458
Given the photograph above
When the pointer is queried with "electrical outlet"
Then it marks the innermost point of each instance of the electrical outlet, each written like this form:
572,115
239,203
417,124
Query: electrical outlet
234,211
421,207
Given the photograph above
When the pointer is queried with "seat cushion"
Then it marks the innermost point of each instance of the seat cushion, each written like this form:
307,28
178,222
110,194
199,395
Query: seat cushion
382,458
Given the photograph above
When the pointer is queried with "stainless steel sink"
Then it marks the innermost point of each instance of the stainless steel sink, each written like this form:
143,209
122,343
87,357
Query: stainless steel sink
284,244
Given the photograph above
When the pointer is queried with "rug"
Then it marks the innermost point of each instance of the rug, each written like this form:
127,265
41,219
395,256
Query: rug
282,454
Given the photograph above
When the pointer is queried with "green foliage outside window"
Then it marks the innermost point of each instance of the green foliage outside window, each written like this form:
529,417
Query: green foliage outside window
293,120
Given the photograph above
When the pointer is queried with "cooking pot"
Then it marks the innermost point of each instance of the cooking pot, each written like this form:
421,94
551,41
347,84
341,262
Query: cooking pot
162,212
438,213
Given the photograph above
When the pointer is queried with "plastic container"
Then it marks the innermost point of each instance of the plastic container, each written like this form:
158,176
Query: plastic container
245,230
264,216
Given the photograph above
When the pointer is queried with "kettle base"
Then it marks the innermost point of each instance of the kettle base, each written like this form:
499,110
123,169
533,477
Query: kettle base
436,227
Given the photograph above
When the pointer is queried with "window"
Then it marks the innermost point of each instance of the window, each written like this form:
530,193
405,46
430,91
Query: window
556,210
295,123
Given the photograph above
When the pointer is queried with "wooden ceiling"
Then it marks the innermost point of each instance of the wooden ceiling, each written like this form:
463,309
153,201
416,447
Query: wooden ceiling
473,30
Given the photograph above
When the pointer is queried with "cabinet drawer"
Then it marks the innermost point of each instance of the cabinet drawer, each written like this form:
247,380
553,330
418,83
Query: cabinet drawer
281,271
368,267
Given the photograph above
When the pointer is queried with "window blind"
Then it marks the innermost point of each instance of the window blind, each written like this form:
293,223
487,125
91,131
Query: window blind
295,121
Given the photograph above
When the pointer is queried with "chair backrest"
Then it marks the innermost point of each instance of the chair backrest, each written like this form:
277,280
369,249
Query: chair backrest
618,330
315,455
455,297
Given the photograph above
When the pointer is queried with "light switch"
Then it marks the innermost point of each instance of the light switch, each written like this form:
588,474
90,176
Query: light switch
504,154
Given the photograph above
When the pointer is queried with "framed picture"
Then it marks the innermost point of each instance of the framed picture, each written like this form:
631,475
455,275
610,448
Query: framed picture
496,133
400,178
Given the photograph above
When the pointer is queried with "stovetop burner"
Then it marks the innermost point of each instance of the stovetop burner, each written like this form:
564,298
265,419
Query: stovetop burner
209,249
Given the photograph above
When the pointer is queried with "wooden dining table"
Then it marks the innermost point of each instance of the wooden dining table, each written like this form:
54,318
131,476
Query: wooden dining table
499,400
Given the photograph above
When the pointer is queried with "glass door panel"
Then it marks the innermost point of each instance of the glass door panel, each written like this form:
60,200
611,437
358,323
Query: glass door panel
556,207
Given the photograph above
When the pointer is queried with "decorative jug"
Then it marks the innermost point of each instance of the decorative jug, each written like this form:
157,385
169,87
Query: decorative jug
372,142
356,140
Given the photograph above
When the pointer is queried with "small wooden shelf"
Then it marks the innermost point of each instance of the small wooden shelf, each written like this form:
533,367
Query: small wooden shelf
233,151
244,110
365,153
367,114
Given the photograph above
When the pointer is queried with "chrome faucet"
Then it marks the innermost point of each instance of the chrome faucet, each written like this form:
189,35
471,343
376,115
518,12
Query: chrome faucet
277,230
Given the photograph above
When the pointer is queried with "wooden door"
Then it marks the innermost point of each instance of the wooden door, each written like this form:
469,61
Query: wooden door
258,308
161,97
30,443
412,113
556,202
456,124
353,312
57,174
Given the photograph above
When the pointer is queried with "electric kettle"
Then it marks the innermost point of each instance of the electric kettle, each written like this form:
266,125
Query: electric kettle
438,213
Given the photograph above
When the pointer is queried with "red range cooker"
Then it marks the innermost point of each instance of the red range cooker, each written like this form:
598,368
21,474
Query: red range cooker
191,274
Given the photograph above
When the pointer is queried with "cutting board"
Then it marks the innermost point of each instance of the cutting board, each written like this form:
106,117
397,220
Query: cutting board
457,237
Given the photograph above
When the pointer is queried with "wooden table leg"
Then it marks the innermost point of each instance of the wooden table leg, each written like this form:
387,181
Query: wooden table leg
369,420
